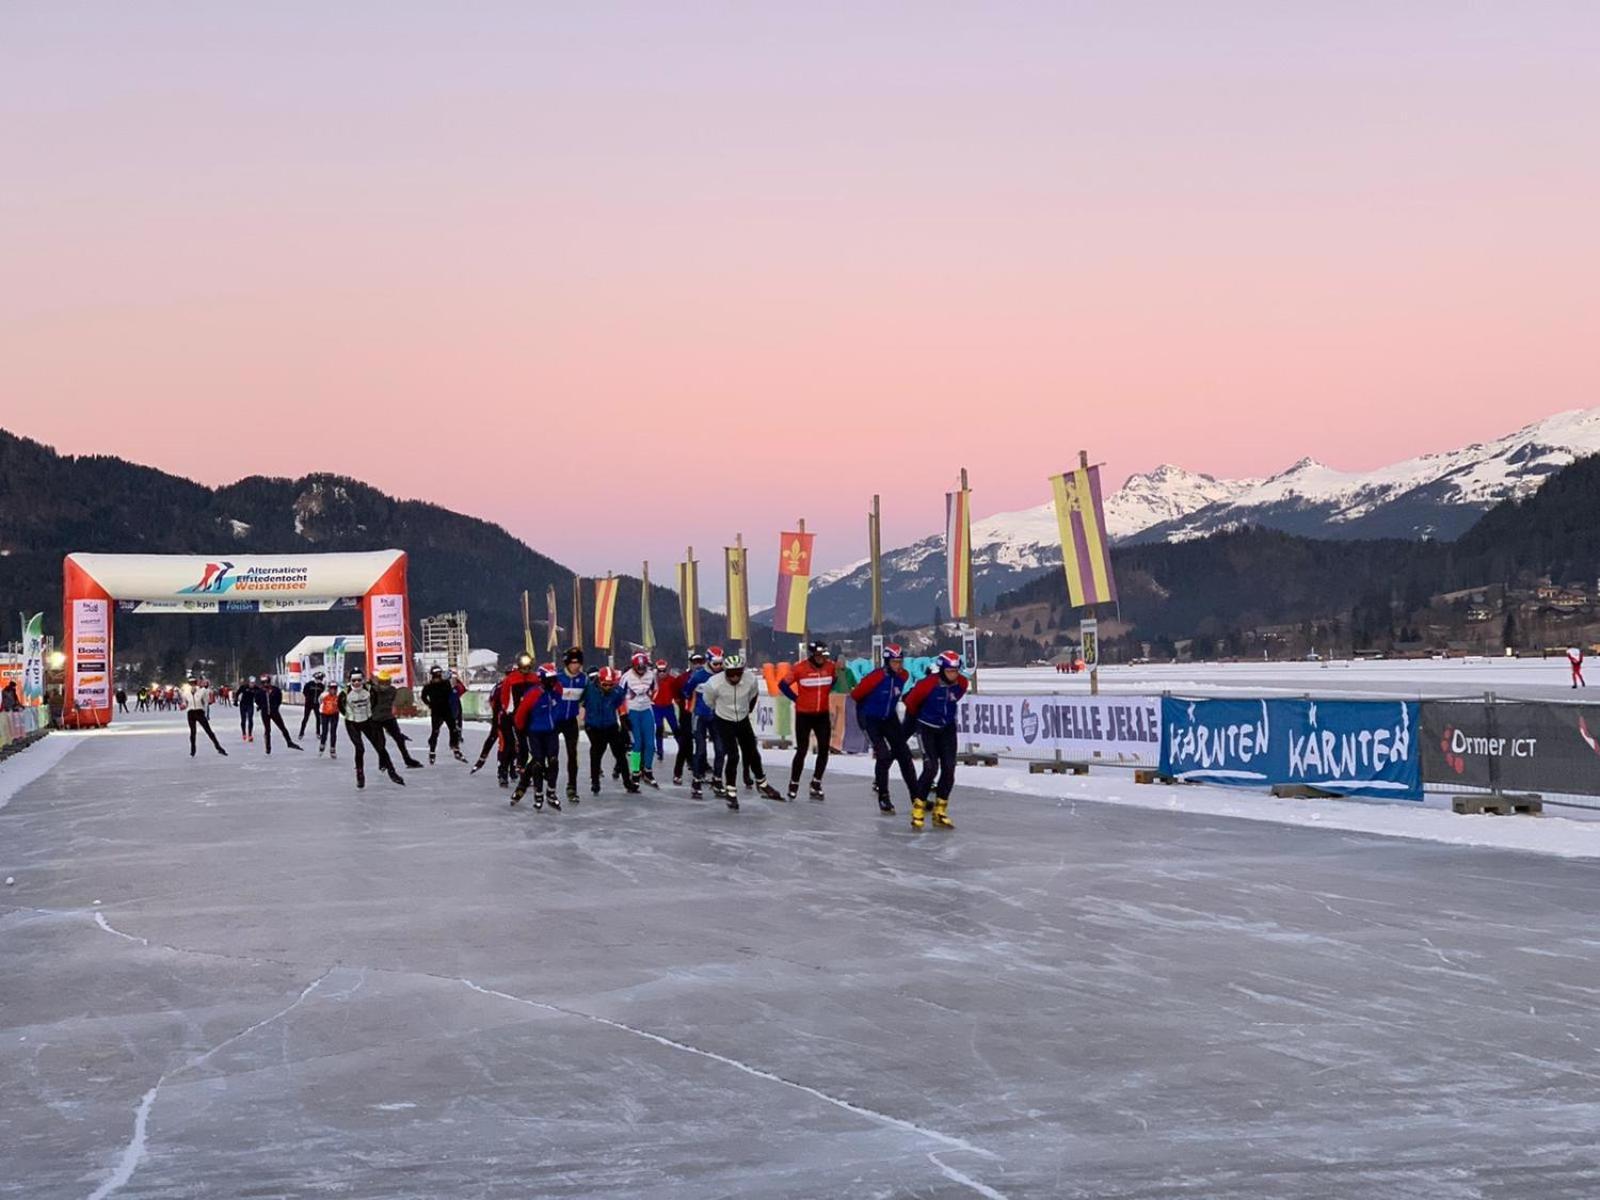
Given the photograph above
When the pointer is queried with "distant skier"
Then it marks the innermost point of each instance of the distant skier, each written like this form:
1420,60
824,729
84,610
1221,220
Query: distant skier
328,721
247,709
574,683
602,721
877,699
808,687
639,684
1575,661
309,695
933,705
196,700
537,717
122,700
733,696
269,698
384,695
355,706
437,695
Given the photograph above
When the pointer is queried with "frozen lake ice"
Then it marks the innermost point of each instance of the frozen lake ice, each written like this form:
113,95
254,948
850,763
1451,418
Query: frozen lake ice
242,977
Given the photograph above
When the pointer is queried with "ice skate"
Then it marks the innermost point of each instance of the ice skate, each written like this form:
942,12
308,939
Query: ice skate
516,796
763,788
460,757
361,778
694,791
816,790
594,787
431,758
555,805
732,797
572,793
394,777
649,777
538,800
677,781
885,805
794,789
478,766
918,810
941,815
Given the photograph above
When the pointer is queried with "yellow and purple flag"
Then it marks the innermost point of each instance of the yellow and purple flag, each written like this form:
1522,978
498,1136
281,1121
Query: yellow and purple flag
552,639
689,601
737,568
1085,552
605,611
958,552
794,582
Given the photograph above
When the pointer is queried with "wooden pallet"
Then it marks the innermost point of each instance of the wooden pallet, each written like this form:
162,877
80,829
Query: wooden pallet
1302,791
1500,806
977,758
776,743
1151,775
1057,766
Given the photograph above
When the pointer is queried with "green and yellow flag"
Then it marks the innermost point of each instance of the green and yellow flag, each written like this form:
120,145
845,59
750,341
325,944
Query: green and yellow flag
689,601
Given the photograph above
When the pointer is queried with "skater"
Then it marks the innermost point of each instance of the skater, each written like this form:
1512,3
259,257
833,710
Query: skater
732,697
328,720
664,707
603,700
877,699
574,683
309,697
933,705
1575,661
457,690
639,683
383,718
247,709
537,716
703,722
122,699
196,701
269,698
498,734
437,695
809,685
355,706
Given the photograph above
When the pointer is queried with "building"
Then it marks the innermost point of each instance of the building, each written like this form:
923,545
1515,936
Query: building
444,642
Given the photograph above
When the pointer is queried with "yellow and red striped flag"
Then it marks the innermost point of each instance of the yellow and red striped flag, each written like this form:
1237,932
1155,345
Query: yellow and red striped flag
794,582
736,561
605,610
958,552
689,601
1085,552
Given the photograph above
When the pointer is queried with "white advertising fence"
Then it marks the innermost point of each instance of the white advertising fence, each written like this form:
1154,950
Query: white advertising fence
1113,729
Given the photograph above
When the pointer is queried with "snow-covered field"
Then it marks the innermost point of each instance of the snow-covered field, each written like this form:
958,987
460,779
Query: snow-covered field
240,976
1525,678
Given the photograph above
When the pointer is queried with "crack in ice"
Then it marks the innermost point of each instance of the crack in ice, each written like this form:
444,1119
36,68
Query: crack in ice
965,1180
948,1140
100,920
133,1153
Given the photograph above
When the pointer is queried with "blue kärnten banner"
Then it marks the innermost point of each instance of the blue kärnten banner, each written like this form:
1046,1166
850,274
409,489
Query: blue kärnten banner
1350,747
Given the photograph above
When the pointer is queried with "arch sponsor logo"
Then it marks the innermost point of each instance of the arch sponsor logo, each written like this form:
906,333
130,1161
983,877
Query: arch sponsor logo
223,576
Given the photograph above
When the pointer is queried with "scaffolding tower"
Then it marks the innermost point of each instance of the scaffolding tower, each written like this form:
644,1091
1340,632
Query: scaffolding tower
444,642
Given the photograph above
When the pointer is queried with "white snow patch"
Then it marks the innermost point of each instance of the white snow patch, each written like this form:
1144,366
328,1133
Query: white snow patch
22,768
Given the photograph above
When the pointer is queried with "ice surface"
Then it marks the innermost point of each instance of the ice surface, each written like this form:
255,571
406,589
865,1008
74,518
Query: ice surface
295,989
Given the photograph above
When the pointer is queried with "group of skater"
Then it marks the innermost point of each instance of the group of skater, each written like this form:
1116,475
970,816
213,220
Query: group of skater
708,710
702,717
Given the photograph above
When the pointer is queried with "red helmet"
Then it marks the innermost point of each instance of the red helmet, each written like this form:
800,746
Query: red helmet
547,671
948,661
713,651
892,651
609,676
662,664
641,660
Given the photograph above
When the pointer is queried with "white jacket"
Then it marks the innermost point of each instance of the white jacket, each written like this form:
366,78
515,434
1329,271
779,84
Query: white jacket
196,698
639,689
732,701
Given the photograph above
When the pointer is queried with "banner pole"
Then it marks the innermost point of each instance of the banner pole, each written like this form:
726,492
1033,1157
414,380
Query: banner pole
875,554
1094,609
805,630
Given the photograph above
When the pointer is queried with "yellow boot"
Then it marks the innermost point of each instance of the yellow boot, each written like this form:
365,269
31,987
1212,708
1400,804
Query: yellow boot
941,815
918,808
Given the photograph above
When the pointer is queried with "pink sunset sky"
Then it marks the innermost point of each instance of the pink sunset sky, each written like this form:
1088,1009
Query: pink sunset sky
724,265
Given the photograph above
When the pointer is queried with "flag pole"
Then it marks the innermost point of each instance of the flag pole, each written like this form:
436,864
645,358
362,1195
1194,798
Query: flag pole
744,642
875,554
805,630
1094,609
970,640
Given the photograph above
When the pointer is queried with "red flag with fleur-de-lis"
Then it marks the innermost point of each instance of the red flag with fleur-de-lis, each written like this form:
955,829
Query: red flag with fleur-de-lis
794,582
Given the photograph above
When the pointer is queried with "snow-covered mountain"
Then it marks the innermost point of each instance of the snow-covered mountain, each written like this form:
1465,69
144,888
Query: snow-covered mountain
1435,495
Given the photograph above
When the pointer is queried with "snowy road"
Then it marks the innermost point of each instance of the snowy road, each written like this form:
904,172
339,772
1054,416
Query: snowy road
290,988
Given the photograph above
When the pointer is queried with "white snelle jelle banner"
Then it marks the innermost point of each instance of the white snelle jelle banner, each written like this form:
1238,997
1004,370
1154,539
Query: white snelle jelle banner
1123,729
95,586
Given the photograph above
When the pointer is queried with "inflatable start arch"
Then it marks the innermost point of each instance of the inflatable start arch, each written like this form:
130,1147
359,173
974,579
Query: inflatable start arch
97,586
